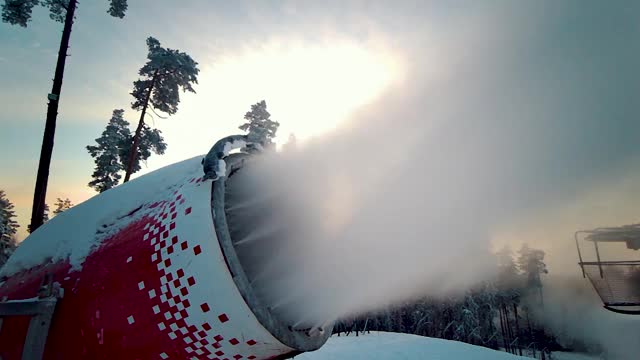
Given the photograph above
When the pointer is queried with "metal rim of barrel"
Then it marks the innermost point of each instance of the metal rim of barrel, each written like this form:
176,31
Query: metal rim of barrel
301,339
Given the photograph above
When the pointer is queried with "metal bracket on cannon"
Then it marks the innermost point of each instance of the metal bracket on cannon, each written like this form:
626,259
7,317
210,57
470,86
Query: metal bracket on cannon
41,310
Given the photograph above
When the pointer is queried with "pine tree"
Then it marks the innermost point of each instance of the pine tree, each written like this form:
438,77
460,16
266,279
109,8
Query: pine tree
507,269
165,73
151,141
112,151
8,228
531,263
62,205
107,153
7,246
259,126
18,12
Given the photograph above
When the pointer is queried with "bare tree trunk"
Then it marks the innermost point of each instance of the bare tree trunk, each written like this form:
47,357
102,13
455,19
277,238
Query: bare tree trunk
509,327
40,192
505,336
530,333
136,138
541,298
515,312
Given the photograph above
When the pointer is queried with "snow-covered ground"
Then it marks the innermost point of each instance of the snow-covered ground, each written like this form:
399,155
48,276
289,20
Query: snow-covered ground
383,345
572,356
394,346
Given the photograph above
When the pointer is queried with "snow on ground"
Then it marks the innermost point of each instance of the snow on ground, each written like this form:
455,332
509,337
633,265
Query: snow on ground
394,346
573,356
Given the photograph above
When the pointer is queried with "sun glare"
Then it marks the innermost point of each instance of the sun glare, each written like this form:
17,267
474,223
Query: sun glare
308,89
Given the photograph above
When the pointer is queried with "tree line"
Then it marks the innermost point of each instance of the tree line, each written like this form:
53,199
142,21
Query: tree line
162,76
9,226
498,314
18,12
165,73
111,152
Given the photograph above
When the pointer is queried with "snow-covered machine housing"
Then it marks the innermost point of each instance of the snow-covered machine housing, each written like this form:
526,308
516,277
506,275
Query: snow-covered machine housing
147,270
617,282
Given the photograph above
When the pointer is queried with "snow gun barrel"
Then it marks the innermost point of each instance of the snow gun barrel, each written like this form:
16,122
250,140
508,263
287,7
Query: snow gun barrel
147,270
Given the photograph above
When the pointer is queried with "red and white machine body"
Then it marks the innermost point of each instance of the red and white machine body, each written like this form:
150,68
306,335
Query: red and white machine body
143,276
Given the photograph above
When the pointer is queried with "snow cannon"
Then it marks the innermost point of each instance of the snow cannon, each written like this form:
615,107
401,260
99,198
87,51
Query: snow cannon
617,280
147,270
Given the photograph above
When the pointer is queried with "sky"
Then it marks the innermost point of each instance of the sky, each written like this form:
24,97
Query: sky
512,121
556,83
241,63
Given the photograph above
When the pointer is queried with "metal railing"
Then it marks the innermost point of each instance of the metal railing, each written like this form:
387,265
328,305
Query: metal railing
616,282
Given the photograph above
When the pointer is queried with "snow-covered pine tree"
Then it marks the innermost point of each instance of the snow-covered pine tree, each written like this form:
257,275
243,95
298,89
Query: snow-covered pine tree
165,73
7,246
508,278
62,205
18,12
531,263
107,154
112,152
8,228
486,299
151,141
259,126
